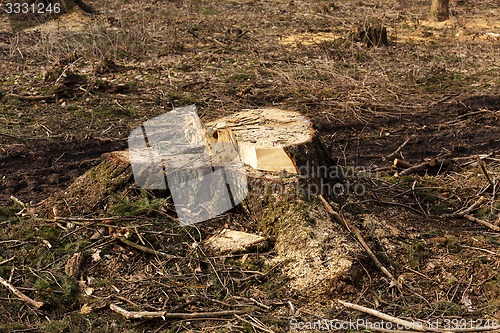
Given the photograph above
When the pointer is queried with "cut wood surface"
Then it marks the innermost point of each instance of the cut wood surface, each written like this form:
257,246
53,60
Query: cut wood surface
264,137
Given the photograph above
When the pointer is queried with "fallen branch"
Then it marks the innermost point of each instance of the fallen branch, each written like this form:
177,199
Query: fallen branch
417,325
19,294
461,213
6,261
483,222
397,150
400,322
402,164
485,172
465,214
147,249
355,231
424,166
31,98
168,316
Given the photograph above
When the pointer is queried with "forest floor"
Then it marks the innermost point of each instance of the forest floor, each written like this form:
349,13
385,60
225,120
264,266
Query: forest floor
73,88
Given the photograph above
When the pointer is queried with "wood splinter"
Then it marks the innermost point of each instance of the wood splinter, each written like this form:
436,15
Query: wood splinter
19,294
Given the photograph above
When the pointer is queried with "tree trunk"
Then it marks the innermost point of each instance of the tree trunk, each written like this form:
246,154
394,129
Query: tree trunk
42,11
440,10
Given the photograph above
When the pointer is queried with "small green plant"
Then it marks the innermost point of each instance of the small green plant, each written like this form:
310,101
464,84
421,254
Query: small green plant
145,204
418,253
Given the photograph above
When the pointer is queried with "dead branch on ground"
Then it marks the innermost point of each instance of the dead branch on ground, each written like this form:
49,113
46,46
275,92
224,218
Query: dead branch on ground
355,231
147,249
402,164
19,294
465,214
461,213
415,325
485,172
482,222
169,316
425,165
394,153
400,322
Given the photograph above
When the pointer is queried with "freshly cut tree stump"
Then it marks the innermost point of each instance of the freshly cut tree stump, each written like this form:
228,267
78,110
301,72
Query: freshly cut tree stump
287,167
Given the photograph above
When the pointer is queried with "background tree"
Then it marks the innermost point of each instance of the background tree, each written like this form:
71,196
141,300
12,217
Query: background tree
440,10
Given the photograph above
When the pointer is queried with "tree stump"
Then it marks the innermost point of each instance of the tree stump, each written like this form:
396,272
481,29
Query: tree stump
372,34
284,156
275,140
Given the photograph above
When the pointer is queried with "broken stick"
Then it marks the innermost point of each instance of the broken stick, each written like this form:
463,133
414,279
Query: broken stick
147,249
483,222
402,164
465,214
424,166
19,294
415,325
355,231
167,315
400,322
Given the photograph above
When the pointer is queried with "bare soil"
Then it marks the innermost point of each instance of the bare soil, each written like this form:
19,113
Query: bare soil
35,172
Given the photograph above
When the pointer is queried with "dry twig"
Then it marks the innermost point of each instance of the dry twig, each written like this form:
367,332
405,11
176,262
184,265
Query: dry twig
485,172
483,222
147,249
465,214
394,153
417,326
400,322
424,166
461,213
355,231
6,261
19,294
168,315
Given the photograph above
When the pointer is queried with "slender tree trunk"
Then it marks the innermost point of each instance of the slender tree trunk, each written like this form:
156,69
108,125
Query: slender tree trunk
440,10
86,7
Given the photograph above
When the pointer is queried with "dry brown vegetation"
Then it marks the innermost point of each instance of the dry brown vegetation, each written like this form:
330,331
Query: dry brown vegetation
73,88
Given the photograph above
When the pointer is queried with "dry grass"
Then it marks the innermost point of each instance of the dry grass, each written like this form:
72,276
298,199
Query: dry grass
229,55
